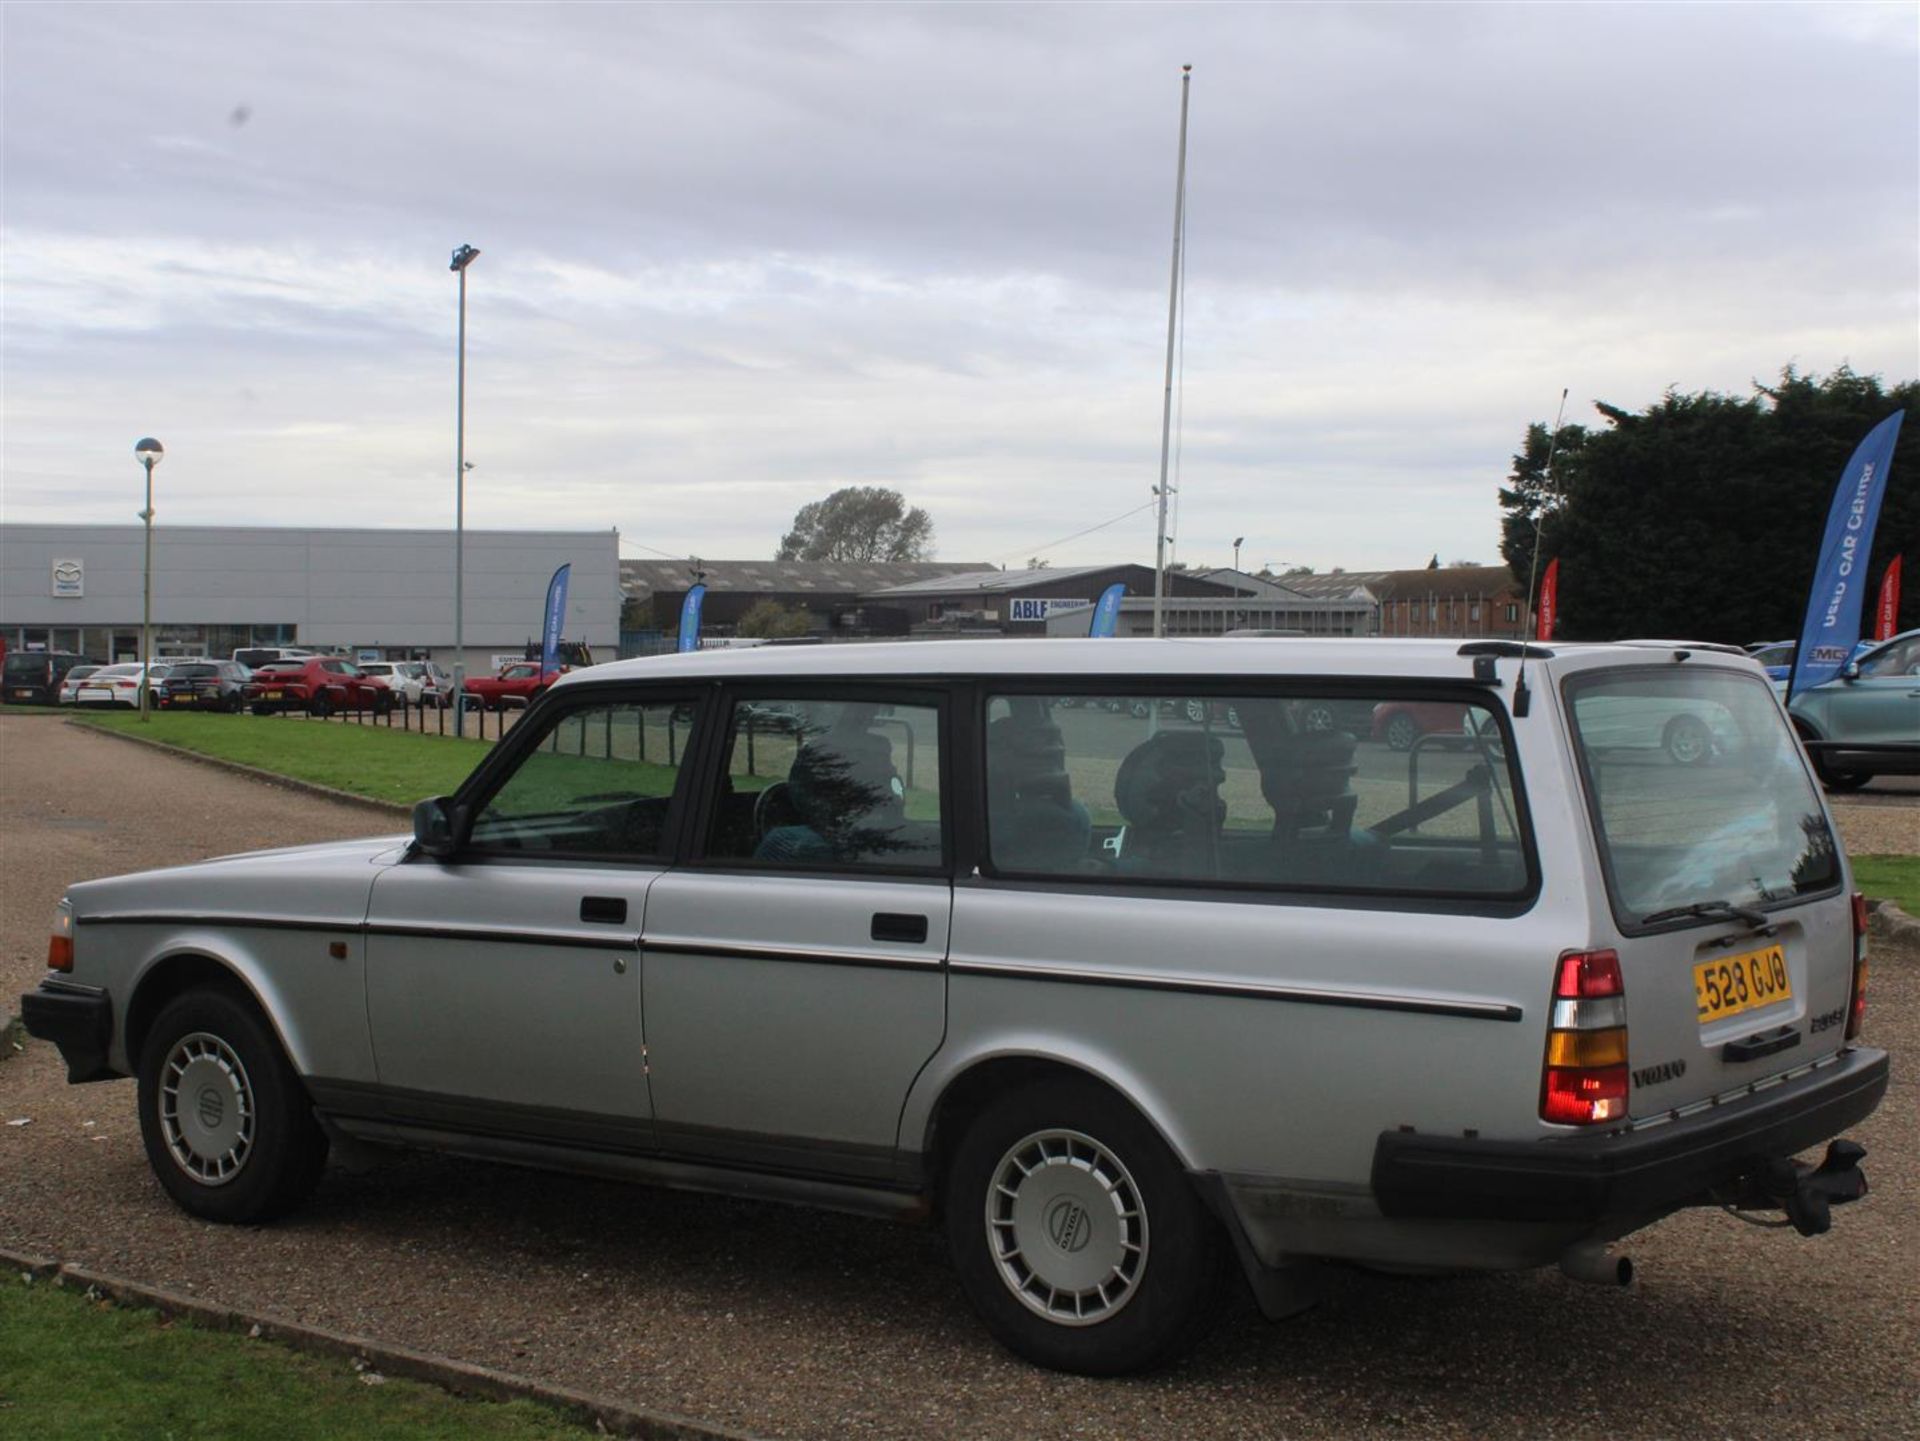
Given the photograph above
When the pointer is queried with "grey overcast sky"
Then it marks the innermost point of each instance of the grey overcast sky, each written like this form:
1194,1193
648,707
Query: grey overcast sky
736,256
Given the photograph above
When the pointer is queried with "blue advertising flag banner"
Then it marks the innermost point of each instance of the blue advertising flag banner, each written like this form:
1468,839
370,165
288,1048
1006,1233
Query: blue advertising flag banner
690,618
1832,623
556,618
1106,612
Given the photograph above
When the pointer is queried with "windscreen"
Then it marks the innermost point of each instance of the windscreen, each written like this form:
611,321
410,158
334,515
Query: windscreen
1698,791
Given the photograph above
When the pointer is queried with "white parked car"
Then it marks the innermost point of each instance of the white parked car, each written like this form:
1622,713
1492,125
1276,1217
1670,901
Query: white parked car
119,685
70,686
1122,1001
421,682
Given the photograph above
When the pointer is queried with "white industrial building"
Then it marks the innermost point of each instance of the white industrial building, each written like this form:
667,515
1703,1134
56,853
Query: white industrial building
219,588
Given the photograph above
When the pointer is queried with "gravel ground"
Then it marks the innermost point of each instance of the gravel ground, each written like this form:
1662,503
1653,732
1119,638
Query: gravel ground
798,1324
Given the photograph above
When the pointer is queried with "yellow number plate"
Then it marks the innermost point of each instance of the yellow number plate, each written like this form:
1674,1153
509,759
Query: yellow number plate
1733,984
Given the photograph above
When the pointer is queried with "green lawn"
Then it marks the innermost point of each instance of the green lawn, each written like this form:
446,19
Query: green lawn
1890,878
386,765
78,1370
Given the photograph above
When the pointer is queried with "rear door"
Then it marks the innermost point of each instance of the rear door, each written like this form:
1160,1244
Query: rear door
1725,883
795,971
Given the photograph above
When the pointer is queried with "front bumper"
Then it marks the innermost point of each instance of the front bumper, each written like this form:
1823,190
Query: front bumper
1647,1173
78,1019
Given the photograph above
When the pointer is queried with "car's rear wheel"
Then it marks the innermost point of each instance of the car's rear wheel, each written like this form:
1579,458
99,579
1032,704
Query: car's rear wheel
229,1129
1402,731
319,707
1842,780
1077,1235
259,709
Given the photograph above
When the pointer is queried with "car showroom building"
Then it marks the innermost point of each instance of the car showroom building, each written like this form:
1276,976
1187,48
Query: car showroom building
217,589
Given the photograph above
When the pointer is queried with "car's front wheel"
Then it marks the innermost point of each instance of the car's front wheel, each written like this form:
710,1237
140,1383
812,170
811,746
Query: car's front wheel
1687,740
229,1129
1077,1235
1402,731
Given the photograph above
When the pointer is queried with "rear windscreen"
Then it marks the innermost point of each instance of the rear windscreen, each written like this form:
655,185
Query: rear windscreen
26,667
1698,790
190,672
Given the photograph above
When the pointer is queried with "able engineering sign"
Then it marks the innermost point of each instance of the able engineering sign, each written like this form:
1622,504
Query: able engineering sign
1033,608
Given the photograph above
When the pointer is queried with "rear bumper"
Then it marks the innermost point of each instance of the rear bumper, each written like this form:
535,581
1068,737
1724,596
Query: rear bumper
78,1019
1635,1174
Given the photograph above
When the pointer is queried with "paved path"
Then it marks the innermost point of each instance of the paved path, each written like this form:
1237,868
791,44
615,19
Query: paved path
793,1323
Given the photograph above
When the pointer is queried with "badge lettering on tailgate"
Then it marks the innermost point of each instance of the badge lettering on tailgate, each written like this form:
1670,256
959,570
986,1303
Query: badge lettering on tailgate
1660,1074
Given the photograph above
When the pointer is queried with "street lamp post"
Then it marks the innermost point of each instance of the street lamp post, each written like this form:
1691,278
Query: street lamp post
148,452
1238,541
462,258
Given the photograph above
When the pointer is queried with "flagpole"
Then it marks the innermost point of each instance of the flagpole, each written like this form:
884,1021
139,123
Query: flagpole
1166,405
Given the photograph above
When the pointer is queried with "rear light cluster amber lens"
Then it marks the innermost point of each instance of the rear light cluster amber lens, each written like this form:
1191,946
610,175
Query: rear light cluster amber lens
60,943
1857,1003
1584,1081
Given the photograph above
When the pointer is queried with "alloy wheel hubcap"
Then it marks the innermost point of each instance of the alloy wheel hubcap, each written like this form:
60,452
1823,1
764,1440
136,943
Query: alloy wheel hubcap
1066,1227
206,1109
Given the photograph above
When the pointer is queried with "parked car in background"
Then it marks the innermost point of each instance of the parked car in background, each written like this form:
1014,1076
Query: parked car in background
205,685
423,683
319,686
1776,658
255,656
70,686
517,684
1402,722
119,685
32,677
1866,721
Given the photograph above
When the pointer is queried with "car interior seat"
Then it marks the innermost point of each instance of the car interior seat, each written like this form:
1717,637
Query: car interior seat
1036,823
846,799
1167,790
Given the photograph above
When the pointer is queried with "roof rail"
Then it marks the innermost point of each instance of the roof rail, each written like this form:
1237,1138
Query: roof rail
1505,647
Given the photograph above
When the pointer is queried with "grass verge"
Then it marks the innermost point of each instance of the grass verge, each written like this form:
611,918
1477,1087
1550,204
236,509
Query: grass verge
396,766
1890,878
74,1369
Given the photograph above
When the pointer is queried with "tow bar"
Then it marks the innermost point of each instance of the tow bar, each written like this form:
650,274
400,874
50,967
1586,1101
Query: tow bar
1808,1194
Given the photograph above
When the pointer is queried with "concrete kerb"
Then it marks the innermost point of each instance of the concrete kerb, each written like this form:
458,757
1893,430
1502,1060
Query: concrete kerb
459,1377
1889,923
272,778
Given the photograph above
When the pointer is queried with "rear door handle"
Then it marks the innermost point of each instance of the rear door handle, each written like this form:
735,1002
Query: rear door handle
891,926
608,910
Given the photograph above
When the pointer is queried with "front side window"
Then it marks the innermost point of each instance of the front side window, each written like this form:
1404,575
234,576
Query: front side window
1372,793
1697,789
598,782
1900,658
831,784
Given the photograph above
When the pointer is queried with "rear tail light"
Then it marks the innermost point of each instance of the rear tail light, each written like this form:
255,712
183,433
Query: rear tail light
1857,1003
1584,1079
60,943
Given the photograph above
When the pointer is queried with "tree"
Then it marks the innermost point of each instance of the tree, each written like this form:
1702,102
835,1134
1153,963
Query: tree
1701,517
773,620
859,523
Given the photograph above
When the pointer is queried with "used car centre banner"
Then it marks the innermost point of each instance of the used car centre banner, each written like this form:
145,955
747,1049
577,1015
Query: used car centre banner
555,618
1832,623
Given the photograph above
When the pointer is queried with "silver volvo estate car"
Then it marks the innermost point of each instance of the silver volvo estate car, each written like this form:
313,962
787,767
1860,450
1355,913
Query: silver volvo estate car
1133,964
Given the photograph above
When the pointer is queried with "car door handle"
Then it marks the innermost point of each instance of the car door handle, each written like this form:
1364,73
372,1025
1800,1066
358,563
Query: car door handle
608,910
890,926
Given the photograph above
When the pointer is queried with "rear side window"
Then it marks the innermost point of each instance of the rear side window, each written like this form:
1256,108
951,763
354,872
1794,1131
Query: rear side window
1697,789
830,784
1271,791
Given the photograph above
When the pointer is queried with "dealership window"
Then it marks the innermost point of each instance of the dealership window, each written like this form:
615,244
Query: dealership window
1513,613
1473,612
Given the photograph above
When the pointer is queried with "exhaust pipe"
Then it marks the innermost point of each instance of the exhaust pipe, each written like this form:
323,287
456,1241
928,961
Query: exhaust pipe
1589,1261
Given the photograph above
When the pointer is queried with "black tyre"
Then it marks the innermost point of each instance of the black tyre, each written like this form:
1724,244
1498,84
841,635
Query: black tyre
228,1127
1843,780
1687,741
259,709
1317,716
1402,731
1077,1236
320,707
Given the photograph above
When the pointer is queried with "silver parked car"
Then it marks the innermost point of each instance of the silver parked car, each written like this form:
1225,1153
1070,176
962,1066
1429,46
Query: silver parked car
1128,997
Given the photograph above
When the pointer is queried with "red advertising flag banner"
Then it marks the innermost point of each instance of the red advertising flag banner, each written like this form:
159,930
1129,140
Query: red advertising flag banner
1549,611
1886,614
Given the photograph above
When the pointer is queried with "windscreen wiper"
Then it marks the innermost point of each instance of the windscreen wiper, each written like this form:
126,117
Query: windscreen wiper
1756,919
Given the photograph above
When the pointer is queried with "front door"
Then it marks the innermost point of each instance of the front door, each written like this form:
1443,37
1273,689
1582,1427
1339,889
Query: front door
503,985
795,975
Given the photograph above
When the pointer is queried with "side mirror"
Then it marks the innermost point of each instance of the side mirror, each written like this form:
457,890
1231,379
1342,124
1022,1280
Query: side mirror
436,828
1850,671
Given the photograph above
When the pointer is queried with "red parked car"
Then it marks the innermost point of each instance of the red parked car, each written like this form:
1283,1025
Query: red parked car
318,685
1402,722
517,684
